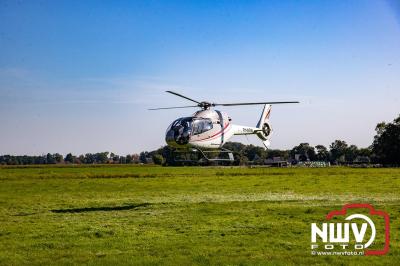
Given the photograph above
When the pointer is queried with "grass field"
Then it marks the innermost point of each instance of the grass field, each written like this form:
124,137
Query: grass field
134,215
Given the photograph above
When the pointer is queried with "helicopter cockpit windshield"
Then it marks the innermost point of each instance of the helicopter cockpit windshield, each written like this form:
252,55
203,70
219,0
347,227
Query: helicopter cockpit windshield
181,129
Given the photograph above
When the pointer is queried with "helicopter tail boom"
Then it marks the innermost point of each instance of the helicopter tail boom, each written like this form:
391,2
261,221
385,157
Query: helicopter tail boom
263,130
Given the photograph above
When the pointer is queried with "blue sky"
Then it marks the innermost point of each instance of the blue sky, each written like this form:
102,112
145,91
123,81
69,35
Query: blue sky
78,76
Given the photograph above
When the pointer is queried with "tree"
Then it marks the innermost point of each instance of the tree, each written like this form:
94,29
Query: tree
322,153
58,157
386,145
50,159
338,150
351,153
40,160
89,158
129,159
305,151
143,157
365,152
284,154
81,159
235,147
116,158
122,159
158,159
69,158
112,155
101,157
255,153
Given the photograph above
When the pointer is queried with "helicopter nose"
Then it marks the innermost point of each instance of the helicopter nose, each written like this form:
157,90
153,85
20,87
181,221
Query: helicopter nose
177,139
169,138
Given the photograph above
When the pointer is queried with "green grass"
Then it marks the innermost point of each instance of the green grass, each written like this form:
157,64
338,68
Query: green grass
134,215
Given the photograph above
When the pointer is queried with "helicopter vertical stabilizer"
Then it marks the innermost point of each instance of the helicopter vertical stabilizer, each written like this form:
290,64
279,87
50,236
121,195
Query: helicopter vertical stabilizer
266,130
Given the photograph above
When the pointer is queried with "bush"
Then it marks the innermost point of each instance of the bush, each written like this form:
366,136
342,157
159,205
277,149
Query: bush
158,159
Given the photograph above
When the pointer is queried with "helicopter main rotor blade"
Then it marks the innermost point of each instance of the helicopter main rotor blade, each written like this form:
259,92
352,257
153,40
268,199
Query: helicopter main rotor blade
234,104
180,95
163,108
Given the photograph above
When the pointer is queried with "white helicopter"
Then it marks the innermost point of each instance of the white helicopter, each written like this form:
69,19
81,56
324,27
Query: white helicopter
209,128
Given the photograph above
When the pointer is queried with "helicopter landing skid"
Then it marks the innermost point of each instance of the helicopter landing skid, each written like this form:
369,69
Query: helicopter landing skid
203,156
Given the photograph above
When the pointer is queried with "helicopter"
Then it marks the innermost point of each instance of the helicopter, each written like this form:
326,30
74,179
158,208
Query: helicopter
209,128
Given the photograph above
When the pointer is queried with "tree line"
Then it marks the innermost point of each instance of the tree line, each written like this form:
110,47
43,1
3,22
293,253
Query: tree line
385,150
56,158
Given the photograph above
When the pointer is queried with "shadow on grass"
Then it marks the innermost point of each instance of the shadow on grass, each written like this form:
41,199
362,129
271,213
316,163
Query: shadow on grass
95,209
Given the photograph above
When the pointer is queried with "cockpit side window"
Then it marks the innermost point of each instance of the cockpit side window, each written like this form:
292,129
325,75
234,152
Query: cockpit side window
201,125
